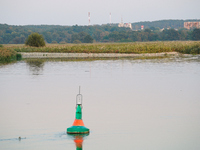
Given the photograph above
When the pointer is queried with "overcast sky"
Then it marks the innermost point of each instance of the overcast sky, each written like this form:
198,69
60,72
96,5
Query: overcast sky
71,12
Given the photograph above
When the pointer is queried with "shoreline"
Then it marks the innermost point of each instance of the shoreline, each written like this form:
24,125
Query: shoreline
97,55
103,50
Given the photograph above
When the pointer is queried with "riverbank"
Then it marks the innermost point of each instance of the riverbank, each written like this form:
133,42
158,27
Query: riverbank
101,50
185,47
94,55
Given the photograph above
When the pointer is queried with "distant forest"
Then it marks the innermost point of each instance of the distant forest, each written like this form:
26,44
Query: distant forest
175,24
163,30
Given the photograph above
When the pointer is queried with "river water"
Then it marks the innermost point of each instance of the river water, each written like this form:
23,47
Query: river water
137,104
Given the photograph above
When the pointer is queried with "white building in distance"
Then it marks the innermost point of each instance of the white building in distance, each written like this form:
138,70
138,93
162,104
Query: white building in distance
189,25
126,25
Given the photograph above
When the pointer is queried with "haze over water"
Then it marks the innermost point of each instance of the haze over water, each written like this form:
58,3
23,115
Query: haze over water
127,104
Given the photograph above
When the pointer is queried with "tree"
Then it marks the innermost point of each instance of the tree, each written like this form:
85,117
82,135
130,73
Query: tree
152,28
76,41
144,36
35,40
147,30
82,35
97,34
196,34
114,36
75,37
153,37
88,39
170,35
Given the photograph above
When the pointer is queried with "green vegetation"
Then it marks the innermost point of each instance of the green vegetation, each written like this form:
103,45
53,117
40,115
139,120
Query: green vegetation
153,31
35,40
91,58
196,34
9,52
7,55
18,56
185,47
176,24
88,39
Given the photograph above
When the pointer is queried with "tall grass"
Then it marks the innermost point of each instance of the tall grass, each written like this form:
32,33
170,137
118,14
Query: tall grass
8,55
186,47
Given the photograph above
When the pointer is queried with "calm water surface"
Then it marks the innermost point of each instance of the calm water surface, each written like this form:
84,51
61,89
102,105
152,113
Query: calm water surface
127,104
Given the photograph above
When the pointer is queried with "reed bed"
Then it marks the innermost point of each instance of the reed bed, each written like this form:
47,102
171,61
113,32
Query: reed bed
7,55
185,47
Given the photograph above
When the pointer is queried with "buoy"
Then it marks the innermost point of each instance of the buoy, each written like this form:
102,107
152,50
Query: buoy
78,126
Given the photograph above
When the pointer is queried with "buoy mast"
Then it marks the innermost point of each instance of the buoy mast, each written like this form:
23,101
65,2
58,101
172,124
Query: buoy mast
78,125
79,98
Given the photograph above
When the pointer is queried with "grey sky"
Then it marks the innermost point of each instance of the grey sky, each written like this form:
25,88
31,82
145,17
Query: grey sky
71,12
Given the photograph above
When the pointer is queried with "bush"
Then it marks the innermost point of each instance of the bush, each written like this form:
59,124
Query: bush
7,55
62,42
77,42
18,56
35,40
54,42
1,45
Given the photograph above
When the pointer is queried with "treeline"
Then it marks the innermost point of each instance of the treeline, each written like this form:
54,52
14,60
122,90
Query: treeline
175,24
10,34
56,34
154,35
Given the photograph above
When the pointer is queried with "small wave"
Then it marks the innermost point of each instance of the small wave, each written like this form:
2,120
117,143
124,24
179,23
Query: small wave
13,139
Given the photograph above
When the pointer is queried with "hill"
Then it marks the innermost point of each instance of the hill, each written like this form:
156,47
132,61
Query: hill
12,34
176,24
